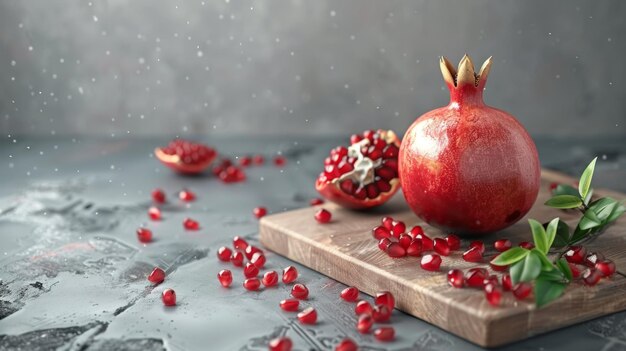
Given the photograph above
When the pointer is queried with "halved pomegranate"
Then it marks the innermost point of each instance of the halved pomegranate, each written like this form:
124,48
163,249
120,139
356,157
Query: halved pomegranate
364,174
185,156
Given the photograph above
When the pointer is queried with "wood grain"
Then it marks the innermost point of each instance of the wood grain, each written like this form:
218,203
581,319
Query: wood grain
345,250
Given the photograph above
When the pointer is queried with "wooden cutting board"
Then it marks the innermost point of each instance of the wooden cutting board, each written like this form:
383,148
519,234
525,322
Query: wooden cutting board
346,251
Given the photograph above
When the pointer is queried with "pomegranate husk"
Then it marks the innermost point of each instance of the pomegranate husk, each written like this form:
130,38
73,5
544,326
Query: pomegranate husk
174,162
467,167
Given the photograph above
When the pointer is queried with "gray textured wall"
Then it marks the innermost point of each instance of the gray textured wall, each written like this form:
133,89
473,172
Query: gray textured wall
166,67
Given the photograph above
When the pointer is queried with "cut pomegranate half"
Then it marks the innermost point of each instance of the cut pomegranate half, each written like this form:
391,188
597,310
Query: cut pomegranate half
363,175
185,156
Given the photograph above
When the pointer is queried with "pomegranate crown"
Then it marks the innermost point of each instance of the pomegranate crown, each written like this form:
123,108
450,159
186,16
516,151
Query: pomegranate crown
465,74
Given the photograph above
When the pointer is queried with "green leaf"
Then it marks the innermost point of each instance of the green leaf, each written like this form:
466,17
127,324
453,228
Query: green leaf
562,235
579,234
539,235
546,265
564,201
510,256
554,275
585,179
603,207
617,212
547,291
551,233
562,265
588,197
527,269
589,220
564,189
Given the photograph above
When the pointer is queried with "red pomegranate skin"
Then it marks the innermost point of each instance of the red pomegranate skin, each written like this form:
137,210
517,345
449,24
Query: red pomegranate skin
467,167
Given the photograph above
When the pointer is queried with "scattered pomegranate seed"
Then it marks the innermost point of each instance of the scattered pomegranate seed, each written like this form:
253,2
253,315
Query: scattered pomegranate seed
527,245
502,245
473,255
239,243
431,262
455,278
415,248
350,294
576,272
259,212
381,313
270,278
225,277
364,323
252,284
251,250
280,344
290,305
258,160
230,174
186,195
144,235
363,307
606,268
496,267
384,333
191,224
245,161
346,344
478,244
237,258
250,270
387,222
507,284
475,277
300,291
158,196
397,228
591,276
522,290
323,216
258,259
308,316
380,232
395,250
415,231
385,298
575,254
383,244
154,213
223,254
553,186
492,279
592,258
290,274
157,276
493,293
427,243
405,240
454,242
441,247
316,201
280,160
169,297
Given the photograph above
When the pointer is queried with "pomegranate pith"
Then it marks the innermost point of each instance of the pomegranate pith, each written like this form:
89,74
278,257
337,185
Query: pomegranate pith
449,153
185,156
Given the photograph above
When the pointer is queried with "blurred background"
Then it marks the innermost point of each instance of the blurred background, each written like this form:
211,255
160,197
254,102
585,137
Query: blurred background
114,68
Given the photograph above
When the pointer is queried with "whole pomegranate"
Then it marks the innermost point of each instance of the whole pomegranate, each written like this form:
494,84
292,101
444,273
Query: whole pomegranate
467,167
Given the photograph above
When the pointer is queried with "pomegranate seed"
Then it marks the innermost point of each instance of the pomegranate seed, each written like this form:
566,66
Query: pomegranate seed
522,290
237,258
280,344
575,254
323,216
158,196
258,259
308,316
384,333
245,161
251,250
191,224
346,344
526,245
225,277
280,161
475,277
397,228
493,293
186,195
606,268
300,291
591,276
496,267
364,323
553,186
380,232
239,243
405,240
258,160
350,294
441,247
455,278
363,307
415,231
415,248
252,284
395,250
576,272
270,278
316,201
290,274
223,254
502,245
478,244
381,314
592,258
427,243
385,298
384,243
387,222
259,212
473,255
169,297
492,279
431,262
454,242
250,270
157,276
290,305
507,284
154,213
144,235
